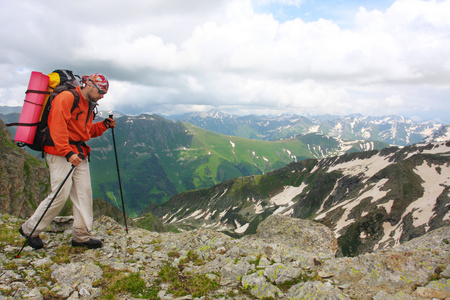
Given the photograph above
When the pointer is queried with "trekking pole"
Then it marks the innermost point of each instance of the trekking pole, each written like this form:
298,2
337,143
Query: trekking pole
118,175
45,211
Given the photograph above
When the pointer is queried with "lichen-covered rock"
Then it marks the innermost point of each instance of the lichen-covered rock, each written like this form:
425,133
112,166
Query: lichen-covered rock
382,295
401,269
279,273
439,289
246,268
257,284
232,273
74,278
316,290
305,235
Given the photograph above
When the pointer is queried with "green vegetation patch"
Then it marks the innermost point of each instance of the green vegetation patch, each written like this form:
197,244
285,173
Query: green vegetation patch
197,285
115,283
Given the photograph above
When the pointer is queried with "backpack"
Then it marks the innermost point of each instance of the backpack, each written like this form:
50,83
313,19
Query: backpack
58,81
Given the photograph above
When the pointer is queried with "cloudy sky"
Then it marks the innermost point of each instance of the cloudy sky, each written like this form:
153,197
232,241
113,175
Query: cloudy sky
374,57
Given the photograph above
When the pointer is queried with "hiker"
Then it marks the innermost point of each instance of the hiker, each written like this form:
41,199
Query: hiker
69,132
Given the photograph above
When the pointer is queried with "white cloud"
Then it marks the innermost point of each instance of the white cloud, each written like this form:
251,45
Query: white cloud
394,101
296,3
172,56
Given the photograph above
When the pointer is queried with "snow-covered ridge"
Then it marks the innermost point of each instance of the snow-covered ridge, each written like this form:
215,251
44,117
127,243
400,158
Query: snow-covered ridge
389,196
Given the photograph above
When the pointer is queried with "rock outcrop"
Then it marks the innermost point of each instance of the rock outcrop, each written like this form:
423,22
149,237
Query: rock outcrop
24,179
287,259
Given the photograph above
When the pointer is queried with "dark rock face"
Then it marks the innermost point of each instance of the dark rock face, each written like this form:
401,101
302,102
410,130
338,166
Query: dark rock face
24,180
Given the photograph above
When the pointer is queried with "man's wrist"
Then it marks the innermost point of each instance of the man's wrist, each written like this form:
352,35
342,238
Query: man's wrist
68,155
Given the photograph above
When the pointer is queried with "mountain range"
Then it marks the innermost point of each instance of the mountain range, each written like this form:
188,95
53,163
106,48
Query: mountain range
394,130
391,129
287,257
371,200
160,157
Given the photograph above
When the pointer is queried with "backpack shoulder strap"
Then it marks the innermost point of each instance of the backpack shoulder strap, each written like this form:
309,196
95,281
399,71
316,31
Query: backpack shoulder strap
76,99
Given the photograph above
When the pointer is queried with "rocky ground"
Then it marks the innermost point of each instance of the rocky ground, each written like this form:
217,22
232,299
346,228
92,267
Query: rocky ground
286,259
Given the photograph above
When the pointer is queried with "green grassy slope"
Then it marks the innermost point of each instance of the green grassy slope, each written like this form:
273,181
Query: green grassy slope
159,158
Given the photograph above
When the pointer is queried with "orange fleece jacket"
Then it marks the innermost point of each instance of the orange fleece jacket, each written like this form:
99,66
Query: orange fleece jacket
76,126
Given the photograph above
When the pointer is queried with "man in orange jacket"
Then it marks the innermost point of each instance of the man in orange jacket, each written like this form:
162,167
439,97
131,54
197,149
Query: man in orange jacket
69,131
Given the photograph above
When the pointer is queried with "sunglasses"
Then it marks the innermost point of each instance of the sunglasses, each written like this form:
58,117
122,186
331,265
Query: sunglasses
98,89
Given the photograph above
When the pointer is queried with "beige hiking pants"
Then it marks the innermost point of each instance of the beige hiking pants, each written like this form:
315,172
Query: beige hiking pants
78,187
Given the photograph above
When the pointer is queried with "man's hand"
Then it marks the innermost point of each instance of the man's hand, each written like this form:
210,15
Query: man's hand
110,122
75,160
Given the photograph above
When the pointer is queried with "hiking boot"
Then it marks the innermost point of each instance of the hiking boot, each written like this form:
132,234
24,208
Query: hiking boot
91,244
34,242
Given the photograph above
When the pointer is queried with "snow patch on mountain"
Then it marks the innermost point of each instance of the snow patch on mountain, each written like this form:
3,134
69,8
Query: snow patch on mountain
367,167
286,196
374,192
435,179
313,129
240,228
440,134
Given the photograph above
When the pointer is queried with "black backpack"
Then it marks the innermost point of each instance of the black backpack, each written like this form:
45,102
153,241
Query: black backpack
59,81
